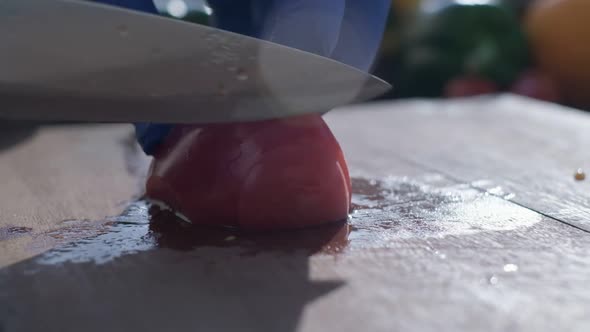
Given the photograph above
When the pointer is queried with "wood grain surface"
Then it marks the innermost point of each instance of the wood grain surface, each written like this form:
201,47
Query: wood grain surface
53,176
512,147
445,234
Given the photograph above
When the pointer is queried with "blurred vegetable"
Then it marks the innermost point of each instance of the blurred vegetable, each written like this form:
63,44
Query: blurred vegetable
518,6
401,12
483,40
559,33
469,86
405,7
198,14
535,84
199,17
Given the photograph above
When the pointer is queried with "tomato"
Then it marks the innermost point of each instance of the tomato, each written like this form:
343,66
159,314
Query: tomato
535,84
469,86
282,173
558,34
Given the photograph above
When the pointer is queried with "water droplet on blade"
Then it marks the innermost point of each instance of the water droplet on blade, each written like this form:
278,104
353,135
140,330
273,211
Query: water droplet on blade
241,75
221,90
123,30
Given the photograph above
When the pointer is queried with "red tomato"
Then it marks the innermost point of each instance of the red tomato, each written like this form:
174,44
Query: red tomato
469,86
286,173
535,84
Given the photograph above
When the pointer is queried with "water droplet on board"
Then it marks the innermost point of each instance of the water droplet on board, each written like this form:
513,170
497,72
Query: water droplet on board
509,196
440,254
498,191
493,280
510,268
580,175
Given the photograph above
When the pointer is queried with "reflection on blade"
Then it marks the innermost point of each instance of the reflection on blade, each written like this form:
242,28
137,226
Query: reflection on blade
69,60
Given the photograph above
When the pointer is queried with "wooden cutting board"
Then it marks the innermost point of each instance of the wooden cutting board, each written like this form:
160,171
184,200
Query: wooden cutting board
467,218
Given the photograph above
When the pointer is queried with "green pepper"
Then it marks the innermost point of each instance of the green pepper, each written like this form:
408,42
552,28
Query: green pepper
482,40
520,7
199,17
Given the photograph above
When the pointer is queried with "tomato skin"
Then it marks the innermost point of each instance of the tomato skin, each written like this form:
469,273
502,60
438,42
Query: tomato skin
285,173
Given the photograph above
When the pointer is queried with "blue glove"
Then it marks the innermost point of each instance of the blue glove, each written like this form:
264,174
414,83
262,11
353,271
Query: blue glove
349,31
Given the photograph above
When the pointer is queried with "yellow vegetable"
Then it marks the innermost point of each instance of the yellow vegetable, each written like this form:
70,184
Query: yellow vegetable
559,33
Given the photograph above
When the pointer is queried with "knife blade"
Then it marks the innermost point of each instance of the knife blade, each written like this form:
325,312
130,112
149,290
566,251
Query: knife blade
67,60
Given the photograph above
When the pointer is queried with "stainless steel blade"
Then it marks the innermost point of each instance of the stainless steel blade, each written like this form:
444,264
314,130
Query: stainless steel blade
80,61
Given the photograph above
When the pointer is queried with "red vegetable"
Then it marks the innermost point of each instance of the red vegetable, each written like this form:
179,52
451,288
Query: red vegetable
535,84
285,173
467,86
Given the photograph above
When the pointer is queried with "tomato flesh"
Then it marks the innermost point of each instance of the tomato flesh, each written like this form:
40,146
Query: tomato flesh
283,173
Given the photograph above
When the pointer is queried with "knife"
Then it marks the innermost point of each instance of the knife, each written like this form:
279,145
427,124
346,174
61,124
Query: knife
66,60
